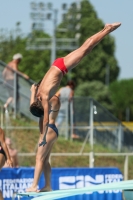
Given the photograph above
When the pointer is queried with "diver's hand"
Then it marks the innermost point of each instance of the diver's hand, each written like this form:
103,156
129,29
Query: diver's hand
42,143
9,162
33,88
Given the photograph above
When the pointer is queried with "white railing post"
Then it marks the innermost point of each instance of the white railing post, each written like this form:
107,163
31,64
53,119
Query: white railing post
91,124
67,120
15,94
91,159
126,168
50,158
71,120
119,138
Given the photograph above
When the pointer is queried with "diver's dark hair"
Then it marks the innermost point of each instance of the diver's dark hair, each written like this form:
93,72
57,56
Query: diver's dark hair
36,108
71,83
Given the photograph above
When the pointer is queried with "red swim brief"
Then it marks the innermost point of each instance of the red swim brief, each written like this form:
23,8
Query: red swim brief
59,62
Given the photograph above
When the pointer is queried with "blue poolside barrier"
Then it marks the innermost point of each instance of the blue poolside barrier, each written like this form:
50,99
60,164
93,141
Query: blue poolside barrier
18,179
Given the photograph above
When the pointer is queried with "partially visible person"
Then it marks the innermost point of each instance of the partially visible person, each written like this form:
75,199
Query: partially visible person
66,95
1,196
8,76
13,153
60,67
43,153
4,155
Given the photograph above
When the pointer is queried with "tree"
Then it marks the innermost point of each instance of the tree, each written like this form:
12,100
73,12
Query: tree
97,90
93,67
122,97
34,63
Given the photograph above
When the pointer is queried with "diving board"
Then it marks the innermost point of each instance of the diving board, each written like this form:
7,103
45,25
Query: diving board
122,185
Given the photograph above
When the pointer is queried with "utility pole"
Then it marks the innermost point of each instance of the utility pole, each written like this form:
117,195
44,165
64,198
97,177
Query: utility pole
52,43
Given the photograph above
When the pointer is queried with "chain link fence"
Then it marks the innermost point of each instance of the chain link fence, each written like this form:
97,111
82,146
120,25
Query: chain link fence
84,118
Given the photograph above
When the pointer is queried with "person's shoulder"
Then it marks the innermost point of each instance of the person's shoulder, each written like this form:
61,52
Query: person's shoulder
10,64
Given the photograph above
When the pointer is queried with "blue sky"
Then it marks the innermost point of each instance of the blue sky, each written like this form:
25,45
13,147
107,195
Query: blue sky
109,11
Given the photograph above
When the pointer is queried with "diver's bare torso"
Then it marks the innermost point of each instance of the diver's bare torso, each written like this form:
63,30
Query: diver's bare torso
50,83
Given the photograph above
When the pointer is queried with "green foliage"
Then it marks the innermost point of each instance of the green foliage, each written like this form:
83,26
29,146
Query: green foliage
35,63
97,90
122,97
93,67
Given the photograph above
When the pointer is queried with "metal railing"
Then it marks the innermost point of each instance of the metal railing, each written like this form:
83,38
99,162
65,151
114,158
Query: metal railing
96,126
20,90
91,158
92,122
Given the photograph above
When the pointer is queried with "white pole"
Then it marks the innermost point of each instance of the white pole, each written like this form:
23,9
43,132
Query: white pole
126,168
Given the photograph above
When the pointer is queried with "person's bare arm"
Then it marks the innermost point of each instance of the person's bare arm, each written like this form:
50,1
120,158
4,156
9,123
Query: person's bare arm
41,124
14,66
16,158
55,104
33,91
4,146
1,197
24,75
45,104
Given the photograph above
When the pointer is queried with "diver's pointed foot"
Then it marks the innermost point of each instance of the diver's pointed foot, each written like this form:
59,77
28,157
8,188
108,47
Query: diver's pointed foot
113,26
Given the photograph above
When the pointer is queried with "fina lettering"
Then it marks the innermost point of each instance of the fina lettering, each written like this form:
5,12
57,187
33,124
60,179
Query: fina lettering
10,186
72,182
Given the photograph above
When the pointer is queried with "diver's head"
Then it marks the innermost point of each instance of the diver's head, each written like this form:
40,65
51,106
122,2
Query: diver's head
36,109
